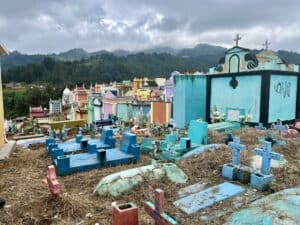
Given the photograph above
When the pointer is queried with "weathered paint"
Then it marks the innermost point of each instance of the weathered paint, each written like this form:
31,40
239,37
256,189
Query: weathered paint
203,199
283,97
246,96
189,98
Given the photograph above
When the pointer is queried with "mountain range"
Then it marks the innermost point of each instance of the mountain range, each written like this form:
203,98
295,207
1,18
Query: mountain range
205,52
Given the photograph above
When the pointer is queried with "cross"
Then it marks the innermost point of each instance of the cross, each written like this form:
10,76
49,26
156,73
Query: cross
237,39
278,126
267,155
237,147
52,181
229,138
266,44
156,210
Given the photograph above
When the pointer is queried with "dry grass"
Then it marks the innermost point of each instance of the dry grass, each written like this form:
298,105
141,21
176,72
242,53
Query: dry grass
28,200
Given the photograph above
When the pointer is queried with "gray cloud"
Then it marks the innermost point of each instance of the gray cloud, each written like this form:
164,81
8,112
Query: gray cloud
35,26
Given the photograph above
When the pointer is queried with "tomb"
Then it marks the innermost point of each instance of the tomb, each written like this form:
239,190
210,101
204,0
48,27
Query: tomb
203,199
252,83
117,183
197,136
97,158
232,121
234,171
280,208
105,142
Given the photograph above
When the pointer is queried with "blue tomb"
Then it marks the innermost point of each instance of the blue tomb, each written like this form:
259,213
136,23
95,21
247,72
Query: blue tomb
197,136
242,80
203,199
97,158
106,141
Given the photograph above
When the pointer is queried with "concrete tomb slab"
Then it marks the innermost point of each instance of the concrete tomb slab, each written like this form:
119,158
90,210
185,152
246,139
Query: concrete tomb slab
203,199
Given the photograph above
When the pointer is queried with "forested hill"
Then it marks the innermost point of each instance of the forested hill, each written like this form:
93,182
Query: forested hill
106,68
78,65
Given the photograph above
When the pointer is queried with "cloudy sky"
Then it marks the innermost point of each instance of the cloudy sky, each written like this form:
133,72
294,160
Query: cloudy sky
44,26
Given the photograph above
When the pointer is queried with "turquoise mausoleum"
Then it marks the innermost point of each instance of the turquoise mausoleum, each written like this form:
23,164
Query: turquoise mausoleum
262,85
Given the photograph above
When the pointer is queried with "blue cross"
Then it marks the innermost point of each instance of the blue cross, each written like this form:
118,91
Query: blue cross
278,126
237,147
267,155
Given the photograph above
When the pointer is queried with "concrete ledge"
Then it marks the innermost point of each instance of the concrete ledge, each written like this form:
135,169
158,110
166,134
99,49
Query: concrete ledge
7,149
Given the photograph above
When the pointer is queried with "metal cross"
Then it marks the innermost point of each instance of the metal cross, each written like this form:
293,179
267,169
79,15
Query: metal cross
266,44
237,39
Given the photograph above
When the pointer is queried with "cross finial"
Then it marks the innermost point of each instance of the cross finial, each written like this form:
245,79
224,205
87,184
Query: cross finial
266,44
237,39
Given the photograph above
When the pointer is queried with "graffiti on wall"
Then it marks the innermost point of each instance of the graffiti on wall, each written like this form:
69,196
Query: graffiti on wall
283,88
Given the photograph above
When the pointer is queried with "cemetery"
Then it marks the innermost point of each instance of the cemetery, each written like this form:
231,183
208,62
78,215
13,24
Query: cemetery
215,186
228,157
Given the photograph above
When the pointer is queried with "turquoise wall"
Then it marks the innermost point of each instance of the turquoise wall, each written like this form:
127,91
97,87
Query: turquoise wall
124,111
189,99
246,96
283,96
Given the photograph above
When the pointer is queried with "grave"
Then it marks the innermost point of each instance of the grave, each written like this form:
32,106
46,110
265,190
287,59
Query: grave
232,83
117,183
280,208
106,141
129,152
156,210
270,138
261,180
203,199
147,145
231,123
235,171
197,136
